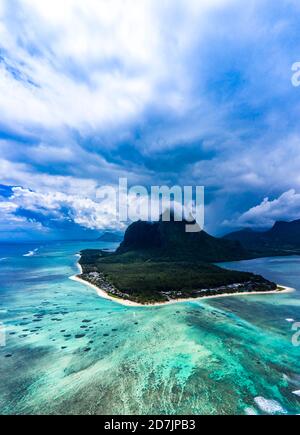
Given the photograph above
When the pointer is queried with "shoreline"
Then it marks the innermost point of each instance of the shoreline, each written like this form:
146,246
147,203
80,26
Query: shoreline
126,302
101,292
105,295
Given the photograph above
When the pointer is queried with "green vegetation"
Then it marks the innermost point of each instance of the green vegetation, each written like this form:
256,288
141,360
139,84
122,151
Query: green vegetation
160,261
145,280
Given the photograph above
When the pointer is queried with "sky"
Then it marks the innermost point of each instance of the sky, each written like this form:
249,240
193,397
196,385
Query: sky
161,92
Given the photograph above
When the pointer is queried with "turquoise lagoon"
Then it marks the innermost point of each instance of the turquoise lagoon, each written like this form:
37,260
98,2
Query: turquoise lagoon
68,351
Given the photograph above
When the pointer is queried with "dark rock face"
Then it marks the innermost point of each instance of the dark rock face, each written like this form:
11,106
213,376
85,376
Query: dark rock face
160,261
169,240
141,235
287,233
284,236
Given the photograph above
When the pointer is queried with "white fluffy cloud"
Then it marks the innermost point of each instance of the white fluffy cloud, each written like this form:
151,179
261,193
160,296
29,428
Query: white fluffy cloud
285,207
93,214
95,63
160,92
79,209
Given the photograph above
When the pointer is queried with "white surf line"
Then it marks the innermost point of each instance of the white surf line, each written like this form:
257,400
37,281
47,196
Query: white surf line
127,302
285,289
269,406
103,294
31,253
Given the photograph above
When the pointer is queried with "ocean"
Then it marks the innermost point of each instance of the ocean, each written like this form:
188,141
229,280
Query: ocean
65,350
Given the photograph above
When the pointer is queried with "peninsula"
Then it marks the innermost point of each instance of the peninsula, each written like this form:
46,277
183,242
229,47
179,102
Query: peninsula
159,262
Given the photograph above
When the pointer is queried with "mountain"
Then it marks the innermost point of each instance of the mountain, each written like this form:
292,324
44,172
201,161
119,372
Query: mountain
282,239
159,262
110,237
170,241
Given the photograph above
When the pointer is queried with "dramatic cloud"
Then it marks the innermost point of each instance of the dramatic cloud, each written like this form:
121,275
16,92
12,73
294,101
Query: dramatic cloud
95,64
286,207
59,206
94,214
160,92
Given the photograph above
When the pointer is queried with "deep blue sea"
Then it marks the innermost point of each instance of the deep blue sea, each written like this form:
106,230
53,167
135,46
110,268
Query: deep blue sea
68,351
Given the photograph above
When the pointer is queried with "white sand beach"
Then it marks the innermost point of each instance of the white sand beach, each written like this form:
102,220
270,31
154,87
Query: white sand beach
103,294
